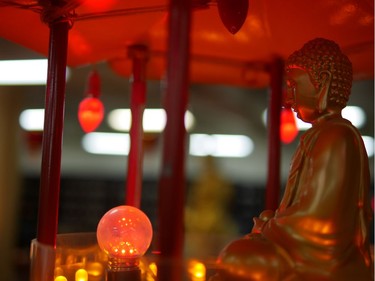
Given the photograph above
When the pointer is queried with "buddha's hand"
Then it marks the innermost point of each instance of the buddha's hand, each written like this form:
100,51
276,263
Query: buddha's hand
260,221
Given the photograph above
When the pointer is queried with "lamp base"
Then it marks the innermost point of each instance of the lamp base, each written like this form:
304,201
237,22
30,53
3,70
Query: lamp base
132,274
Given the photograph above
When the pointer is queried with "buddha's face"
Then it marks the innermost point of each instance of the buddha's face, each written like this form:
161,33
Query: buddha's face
302,94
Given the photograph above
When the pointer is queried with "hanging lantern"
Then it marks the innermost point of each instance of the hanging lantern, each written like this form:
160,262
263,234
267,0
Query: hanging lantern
233,13
91,109
288,129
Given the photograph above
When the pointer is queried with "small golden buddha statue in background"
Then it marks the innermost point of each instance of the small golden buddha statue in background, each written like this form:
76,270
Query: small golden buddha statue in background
320,230
207,212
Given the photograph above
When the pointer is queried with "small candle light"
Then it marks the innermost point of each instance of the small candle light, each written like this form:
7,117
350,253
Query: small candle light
197,270
81,275
95,269
154,269
61,278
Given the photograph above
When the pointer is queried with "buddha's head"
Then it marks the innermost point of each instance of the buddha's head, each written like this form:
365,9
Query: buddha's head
329,72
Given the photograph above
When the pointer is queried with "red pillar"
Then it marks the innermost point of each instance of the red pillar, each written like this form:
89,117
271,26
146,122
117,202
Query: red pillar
276,70
172,182
139,56
52,135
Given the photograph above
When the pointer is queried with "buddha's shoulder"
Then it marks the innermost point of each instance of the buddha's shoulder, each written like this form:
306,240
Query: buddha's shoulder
338,128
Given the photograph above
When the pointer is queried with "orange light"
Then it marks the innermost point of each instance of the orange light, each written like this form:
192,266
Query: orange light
90,113
154,269
60,278
95,269
81,275
197,270
124,233
288,129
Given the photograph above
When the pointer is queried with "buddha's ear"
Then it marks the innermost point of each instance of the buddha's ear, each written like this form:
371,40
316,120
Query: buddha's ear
324,89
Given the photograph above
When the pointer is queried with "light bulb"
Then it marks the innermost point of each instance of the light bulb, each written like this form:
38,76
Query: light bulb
90,113
124,233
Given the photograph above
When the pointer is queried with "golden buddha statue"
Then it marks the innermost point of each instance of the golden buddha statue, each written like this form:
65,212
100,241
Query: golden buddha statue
320,230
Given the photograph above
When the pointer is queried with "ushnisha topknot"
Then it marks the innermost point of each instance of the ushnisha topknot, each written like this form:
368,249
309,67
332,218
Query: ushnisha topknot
320,55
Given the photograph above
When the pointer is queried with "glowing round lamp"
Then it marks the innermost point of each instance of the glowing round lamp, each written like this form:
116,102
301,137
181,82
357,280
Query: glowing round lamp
90,113
124,233
288,129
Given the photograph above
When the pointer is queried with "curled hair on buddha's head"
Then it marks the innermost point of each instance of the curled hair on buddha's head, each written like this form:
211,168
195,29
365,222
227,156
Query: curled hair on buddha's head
319,55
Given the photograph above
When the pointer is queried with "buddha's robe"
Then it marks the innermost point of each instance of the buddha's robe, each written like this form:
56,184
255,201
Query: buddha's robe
323,219
320,230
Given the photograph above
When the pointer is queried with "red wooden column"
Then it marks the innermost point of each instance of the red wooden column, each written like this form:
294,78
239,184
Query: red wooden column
276,69
52,135
172,182
139,56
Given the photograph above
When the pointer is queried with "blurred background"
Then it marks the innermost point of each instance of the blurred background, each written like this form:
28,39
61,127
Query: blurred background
92,183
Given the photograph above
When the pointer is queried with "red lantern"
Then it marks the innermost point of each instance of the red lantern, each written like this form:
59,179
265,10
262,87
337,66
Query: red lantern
91,109
233,13
90,114
288,129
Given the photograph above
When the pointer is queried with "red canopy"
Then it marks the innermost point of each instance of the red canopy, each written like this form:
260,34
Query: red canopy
272,28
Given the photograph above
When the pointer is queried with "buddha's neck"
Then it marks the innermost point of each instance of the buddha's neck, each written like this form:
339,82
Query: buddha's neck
329,114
